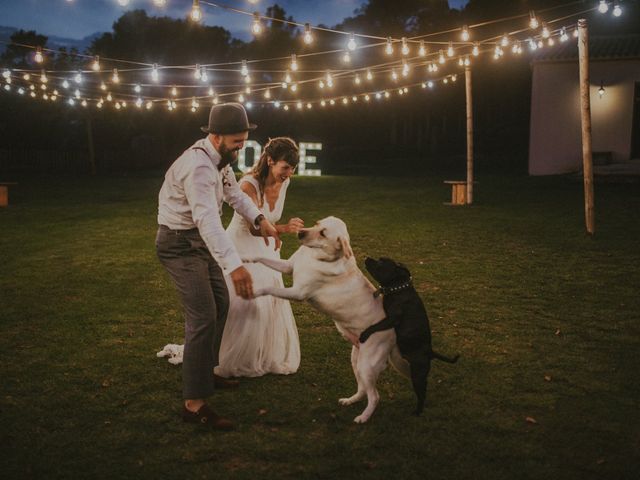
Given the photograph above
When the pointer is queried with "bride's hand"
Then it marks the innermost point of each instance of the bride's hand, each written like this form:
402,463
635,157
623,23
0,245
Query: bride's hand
294,225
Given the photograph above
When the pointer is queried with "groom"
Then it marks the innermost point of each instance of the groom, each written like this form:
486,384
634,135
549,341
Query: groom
194,248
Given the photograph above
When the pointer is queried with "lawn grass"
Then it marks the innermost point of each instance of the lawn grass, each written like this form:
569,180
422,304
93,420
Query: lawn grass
512,283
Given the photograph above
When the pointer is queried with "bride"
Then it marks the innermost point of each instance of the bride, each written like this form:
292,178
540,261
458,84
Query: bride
260,335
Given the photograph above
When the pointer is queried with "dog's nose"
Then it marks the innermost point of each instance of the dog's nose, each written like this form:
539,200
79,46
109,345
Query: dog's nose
301,234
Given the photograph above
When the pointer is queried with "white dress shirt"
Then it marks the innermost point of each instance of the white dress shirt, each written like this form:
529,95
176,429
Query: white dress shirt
192,195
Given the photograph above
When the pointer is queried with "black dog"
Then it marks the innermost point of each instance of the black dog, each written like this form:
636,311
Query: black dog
407,315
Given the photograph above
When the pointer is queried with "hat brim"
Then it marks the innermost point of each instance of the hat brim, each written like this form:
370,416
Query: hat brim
228,130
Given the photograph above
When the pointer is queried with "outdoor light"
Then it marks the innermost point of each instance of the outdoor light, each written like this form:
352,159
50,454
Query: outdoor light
405,46
109,97
38,57
267,94
174,91
276,104
137,88
603,7
149,105
65,84
103,86
441,58
405,68
563,35
617,10
256,26
84,103
287,77
203,74
545,31
505,40
465,34
394,75
476,49
346,57
369,75
197,74
422,51
115,78
26,77
247,79
533,21
308,37
211,92
329,79
154,73
356,79
95,66
294,63
323,103
351,44
244,69
601,89
450,50
241,98
389,48
78,77
139,102
43,77
196,12
294,87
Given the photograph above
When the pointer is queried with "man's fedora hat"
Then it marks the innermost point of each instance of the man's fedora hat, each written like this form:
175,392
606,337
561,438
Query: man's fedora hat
228,118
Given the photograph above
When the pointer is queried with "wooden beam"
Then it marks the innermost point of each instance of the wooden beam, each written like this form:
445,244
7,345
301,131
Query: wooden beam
585,115
467,78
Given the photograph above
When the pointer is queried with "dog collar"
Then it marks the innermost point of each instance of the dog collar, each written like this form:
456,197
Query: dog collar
394,289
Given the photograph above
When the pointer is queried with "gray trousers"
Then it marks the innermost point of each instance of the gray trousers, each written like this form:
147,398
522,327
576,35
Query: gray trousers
203,291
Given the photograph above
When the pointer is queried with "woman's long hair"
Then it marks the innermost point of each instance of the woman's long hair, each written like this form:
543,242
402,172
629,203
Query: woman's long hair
279,148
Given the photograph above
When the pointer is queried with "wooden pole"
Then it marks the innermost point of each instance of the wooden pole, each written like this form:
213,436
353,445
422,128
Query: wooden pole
467,78
585,115
92,151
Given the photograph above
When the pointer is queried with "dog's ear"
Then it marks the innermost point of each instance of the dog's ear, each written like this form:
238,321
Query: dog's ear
346,248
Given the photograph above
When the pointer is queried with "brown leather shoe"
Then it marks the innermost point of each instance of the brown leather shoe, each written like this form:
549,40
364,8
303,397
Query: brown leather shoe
207,417
221,382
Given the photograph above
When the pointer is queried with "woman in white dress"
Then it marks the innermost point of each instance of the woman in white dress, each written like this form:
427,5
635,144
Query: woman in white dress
260,335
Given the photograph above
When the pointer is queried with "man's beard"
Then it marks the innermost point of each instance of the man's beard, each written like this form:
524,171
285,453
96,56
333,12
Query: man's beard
227,157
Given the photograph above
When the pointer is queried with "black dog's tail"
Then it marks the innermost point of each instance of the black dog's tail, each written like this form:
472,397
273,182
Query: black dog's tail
444,358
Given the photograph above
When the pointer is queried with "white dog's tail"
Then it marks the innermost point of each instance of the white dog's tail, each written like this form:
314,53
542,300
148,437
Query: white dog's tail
399,363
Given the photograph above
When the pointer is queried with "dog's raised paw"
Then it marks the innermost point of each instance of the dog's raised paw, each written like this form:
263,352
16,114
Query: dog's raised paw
360,419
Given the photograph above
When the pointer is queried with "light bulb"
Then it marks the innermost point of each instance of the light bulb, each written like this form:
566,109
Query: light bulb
356,79
450,50
405,46
203,75
197,74
65,84
196,12
405,68
389,48
256,26
95,66
369,75
394,75
603,7
294,63
533,21
115,78
244,70
545,31
465,34
351,44
505,40
441,58
308,37
211,92
174,91
346,57
137,88
422,51
267,94
103,86
154,73
78,78
43,77
617,10
287,77
476,49
563,35
38,57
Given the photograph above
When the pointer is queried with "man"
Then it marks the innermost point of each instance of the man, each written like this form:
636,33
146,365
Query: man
194,248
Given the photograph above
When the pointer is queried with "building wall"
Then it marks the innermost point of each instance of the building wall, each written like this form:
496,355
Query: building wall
555,141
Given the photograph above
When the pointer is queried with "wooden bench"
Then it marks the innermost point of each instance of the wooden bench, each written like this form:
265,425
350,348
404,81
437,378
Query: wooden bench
4,193
458,192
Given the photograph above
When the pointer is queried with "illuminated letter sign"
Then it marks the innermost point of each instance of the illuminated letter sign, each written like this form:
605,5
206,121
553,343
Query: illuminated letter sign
302,166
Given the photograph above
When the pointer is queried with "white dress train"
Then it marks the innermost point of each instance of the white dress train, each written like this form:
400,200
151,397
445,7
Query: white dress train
260,335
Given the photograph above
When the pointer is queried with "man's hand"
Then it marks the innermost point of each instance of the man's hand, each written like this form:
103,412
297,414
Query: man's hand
242,282
267,229
294,225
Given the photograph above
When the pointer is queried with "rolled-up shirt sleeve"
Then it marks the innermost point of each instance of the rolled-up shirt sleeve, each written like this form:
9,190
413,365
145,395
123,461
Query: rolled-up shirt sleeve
239,201
199,188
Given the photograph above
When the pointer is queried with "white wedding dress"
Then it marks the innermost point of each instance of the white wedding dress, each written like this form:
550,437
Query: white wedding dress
260,335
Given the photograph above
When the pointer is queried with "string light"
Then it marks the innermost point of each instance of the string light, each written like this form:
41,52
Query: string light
603,7
356,79
203,75
422,51
103,86
65,84
294,63
394,75
26,77
505,40
95,66
405,46
38,57
369,75
308,37
476,49
244,69
174,91
43,77
563,35
196,12
346,57
533,21
197,74
545,31
137,88
287,77
155,76
78,77
617,10
450,51
405,68
389,48
267,94
351,44
256,26
465,34
115,78
441,58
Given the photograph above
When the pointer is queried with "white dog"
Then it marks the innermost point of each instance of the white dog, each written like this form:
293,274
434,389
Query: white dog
326,275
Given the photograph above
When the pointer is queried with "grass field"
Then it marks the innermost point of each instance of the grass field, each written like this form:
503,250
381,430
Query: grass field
546,320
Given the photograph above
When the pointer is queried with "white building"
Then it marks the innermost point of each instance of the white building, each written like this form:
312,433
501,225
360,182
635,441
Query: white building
555,142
